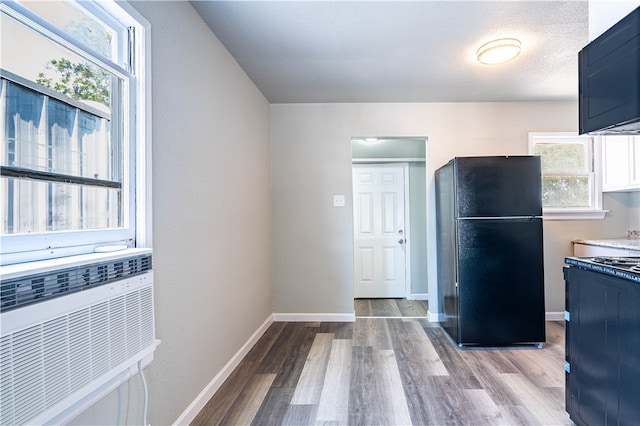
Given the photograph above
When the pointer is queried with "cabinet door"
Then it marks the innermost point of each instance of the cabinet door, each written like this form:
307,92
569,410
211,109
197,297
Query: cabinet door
587,348
602,346
627,324
616,158
608,77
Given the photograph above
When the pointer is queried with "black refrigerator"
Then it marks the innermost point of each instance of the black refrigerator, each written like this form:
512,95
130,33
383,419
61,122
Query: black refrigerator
490,253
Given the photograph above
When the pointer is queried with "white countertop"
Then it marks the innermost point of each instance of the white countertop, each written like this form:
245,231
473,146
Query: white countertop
623,243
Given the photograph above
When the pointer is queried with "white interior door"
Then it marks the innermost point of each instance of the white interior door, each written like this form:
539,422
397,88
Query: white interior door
379,231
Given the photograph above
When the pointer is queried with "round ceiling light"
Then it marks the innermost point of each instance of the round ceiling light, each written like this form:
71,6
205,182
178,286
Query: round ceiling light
498,51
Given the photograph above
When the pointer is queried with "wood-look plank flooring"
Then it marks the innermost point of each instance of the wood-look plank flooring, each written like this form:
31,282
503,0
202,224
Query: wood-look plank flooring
389,371
391,308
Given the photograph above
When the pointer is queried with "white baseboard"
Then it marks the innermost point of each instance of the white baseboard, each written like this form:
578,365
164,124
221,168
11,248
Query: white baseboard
548,316
201,400
435,316
319,317
554,316
418,296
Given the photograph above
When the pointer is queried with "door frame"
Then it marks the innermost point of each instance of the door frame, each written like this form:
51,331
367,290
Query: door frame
407,217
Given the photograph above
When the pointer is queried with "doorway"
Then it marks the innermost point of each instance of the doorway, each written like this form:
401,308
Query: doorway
383,155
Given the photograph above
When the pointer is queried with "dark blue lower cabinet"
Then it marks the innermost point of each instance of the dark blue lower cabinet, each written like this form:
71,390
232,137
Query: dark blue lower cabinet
602,348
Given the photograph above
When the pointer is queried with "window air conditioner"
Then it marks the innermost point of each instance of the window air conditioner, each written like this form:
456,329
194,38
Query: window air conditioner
72,330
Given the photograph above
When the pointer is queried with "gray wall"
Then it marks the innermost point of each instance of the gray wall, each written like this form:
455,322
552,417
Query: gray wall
235,241
312,257
418,217
632,201
311,160
211,208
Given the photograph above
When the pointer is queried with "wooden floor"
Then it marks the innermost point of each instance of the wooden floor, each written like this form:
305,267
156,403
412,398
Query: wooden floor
391,308
389,371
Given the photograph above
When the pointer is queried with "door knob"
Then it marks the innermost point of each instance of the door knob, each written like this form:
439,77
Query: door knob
401,241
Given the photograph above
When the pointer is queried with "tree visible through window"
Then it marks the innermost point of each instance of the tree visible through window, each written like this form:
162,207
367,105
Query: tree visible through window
565,173
79,81
70,125
568,174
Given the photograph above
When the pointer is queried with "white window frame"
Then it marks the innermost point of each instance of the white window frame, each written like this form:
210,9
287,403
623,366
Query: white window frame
595,210
21,248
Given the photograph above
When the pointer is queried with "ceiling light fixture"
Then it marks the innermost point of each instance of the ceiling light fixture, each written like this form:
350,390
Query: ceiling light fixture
498,51
371,140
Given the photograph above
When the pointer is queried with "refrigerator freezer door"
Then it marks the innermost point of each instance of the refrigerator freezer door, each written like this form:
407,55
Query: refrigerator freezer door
498,186
501,282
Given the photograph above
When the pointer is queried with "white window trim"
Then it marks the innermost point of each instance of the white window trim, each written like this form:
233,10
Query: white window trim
141,131
143,216
595,212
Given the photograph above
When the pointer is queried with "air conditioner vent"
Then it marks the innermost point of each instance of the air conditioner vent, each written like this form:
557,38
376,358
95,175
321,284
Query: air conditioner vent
47,367
29,289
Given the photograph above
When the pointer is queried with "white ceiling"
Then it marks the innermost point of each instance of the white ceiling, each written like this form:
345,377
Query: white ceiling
401,51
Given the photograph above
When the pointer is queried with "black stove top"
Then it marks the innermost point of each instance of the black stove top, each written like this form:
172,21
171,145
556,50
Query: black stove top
624,267
627,263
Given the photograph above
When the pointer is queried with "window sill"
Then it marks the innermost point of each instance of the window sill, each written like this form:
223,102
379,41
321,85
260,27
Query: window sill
573,214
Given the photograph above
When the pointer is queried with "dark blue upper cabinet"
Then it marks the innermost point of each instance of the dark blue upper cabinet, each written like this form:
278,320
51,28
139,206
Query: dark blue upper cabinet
609,79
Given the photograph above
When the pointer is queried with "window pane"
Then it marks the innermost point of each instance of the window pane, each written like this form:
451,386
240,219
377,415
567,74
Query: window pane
53,66
565,191
78,22
25,139
74,142
36,206
45,134
563,157
68,133
97,156
85,150
68,126
60,147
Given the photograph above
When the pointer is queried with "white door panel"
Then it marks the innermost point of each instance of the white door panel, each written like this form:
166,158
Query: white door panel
366,264
365,214
389,213
379,231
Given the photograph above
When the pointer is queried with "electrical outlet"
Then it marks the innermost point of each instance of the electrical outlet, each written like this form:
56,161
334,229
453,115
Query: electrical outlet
338,201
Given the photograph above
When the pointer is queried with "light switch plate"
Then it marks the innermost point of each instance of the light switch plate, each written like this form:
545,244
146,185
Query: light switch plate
338,201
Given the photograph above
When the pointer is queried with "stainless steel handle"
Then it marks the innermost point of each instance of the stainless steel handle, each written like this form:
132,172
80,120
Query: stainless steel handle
401,240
